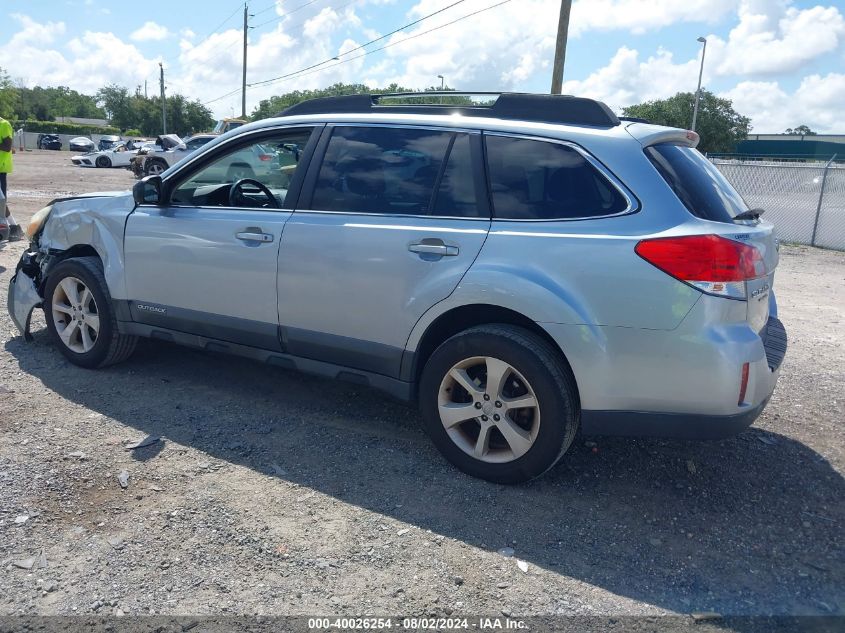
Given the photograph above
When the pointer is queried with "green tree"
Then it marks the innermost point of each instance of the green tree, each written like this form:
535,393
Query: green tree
8,96
117,103
801,130
719,125
274,105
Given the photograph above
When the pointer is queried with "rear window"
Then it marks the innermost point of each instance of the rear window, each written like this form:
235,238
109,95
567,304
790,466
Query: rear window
540,180
705,192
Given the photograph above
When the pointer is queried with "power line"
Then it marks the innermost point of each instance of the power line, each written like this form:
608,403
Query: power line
290,27
208,37
222,52
217,28
376,50
378,39
283,15
272,5
301,22
305,71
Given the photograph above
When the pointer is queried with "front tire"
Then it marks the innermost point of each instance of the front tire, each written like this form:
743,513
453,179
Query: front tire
103,161
79,315
500,403
155,167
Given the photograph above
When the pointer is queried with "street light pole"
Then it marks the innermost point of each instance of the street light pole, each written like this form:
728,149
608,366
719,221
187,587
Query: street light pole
442,81
698,90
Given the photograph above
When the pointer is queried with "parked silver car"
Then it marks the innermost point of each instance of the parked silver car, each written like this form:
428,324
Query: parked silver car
520,269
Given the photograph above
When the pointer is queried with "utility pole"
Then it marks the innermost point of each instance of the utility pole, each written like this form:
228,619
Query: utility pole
145,88
243,85
163,102
560,48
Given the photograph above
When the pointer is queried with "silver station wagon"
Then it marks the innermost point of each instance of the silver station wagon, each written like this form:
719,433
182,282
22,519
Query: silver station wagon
521,266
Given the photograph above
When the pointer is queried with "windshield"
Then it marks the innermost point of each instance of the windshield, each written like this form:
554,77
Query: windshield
697,183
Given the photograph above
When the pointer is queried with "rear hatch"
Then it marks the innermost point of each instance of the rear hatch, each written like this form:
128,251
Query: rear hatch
741,268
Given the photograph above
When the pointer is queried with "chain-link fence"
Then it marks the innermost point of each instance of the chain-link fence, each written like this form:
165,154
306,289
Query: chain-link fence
805,201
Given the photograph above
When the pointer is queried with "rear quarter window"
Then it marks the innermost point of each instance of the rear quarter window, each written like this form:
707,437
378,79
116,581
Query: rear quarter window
542,180
702,188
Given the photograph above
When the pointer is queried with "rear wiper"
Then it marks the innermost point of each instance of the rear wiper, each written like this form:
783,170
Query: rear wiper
751,214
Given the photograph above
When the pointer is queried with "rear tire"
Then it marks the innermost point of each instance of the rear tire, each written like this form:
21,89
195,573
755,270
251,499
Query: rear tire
79,315
500,403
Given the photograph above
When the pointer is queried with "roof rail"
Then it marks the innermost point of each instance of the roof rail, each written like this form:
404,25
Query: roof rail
541,108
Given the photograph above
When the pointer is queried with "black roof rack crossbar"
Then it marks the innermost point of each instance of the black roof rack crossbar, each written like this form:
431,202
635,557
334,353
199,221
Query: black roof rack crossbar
540,108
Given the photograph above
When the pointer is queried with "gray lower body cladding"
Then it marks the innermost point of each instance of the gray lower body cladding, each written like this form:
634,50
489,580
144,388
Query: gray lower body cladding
685,426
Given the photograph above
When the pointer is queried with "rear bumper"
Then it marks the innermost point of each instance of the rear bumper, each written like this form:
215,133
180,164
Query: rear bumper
683,383
678,425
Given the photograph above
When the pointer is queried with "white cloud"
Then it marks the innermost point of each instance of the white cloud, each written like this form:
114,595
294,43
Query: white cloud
626,79
504,47
640,16
34,33
772,38
89,62
637,16
508,47
817,102
150,32
213,67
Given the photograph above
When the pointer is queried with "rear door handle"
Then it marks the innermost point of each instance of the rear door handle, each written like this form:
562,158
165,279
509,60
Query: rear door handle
441,249
249,236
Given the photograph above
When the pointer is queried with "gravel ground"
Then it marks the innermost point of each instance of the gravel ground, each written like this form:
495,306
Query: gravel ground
271,492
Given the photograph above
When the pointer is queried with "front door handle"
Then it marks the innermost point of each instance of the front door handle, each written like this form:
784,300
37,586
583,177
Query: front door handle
249,236
434,247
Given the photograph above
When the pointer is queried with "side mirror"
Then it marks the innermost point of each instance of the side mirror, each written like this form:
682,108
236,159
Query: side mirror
147,190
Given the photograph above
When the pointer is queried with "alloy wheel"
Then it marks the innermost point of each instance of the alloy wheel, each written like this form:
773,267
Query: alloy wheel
489,410
75,315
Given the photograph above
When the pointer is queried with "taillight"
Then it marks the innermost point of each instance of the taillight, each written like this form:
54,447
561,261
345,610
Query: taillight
711,263
265,157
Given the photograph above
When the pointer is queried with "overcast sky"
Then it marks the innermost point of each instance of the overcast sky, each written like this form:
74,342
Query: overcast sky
781,62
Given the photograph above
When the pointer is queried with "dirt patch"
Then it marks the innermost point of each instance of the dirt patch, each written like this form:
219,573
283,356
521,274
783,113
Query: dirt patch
276,493
40,176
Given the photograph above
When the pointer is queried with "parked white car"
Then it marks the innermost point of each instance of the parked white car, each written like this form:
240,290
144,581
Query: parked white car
168,150
119,156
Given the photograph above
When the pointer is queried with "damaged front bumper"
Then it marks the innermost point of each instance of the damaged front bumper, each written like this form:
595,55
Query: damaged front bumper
23,296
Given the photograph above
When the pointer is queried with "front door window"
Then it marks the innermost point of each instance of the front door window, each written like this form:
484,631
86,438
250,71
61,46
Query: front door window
266,167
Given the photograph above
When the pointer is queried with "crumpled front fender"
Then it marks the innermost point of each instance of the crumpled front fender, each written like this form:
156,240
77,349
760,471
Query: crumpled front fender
23,299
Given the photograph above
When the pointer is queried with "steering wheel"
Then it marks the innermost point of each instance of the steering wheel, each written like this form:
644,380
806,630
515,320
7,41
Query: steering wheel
237,198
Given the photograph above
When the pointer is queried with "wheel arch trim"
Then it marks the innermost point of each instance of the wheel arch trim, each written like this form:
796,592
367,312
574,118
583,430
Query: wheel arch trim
444,320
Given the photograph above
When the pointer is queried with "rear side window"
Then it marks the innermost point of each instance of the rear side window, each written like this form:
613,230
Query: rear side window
702,188
541,180
384,170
